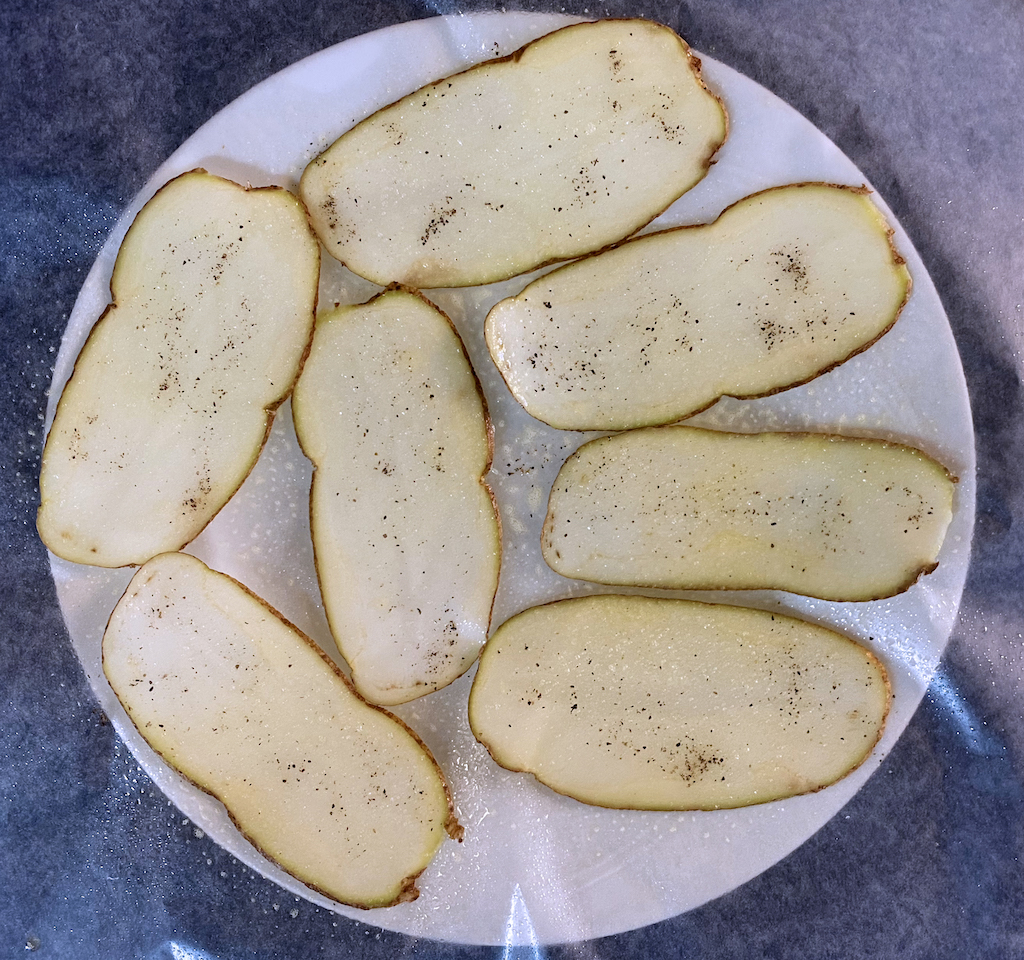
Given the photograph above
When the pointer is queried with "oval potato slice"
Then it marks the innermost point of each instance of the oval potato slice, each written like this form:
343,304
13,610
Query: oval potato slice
571,143
214,291
405,531
783,286
838,518
337,792
653,704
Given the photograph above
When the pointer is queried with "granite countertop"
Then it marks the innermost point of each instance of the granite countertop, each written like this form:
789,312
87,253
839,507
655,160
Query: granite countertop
923,862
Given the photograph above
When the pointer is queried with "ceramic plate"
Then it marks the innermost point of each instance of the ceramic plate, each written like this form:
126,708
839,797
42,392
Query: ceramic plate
535,866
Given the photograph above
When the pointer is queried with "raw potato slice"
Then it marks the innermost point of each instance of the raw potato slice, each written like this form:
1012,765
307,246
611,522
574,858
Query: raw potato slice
838,518
783,286
405,531
214,291
645,704
340,794
571,143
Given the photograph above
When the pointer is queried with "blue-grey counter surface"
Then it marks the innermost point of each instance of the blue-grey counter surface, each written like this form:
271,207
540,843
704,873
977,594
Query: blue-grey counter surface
926,97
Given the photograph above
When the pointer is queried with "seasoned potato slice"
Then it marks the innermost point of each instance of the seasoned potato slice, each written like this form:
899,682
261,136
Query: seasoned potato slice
573,142
405,532
783,286
638,703
837,518
214,290
339,793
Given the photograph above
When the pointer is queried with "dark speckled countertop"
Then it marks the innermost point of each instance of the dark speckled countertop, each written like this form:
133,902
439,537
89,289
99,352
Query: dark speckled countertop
925,96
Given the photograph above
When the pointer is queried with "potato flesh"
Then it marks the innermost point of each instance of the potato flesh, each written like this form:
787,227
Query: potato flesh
404,528
337,792
574,142
837,518
781,287
653,704
214,290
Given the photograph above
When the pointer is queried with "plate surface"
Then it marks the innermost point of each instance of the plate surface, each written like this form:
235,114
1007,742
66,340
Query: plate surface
536,866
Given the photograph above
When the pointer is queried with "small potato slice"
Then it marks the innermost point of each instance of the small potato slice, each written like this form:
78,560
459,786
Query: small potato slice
405,531
783,286
340,794
837,518
653,704
214,291
571,143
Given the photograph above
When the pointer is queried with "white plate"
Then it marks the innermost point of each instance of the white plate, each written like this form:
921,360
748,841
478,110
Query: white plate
537,867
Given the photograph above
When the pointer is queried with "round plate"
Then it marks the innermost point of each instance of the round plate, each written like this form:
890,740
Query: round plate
535,866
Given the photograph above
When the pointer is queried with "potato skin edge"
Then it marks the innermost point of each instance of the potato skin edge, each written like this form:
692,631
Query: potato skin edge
684,413
911,579
489,426
706,163
870,655
270,410
407,890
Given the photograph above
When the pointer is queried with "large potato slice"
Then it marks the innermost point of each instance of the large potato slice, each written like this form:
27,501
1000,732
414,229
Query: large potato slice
573,142
783,286
213,290
633,702
405,532
339,793
837,518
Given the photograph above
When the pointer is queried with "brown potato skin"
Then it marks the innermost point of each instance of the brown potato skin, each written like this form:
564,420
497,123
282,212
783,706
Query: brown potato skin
912,578
684,413
872,658
453,828
270,410
488,425
707,162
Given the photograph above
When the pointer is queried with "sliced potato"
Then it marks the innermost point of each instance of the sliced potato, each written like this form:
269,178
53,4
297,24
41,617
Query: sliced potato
214,290
653,704
340,794
837,518
569,144
783,286
404,528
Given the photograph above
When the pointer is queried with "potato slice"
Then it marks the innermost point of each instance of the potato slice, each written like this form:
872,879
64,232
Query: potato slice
569,144
214,290
340,794
783,286
405,531
653,704
837,518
